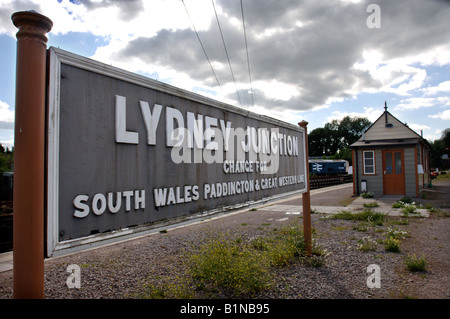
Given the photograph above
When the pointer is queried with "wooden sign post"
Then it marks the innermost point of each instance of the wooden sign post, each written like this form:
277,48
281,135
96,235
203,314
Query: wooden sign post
306,201
29,154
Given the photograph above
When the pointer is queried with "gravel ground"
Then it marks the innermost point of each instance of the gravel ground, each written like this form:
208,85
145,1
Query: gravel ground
120,271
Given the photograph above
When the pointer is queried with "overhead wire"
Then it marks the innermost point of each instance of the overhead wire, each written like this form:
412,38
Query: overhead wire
203,47
246,49
226,52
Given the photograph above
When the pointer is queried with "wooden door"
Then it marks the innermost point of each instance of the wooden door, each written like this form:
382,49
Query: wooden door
393,172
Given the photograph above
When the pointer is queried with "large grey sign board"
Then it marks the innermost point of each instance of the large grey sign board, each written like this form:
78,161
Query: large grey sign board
126,152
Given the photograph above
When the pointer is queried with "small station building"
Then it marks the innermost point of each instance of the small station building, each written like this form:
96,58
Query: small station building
390,159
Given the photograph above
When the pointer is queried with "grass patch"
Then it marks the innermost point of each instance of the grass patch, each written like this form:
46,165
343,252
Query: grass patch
400,221
222,264
413,263
392,245
167,288
367,244
407,206
234,267
396,233
409,209
367,195
375,218
371,205
339,228
361,227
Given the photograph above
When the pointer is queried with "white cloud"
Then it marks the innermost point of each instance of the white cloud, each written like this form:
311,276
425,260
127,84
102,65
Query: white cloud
418,127
441,87
434,135
423,102
6,116
277,90
392,75
289,116
6,125
369,112
444,115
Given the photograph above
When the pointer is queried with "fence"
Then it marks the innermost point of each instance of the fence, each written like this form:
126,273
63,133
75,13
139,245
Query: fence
325,181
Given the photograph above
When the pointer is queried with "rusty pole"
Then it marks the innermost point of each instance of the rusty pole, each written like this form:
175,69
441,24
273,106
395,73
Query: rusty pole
306,200
29,154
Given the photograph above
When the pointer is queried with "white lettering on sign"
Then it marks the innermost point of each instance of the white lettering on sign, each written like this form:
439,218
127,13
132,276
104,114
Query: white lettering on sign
122,135
235,167
175,195
240,150
165,196
112,202
151,120
202,132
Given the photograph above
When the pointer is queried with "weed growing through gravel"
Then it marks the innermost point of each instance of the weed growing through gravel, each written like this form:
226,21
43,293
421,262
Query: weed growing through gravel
375,218
167,288
392,245
407,206
371,205
392,242
414,263
367,195
367,243
362,226
396,233
409,209
223,265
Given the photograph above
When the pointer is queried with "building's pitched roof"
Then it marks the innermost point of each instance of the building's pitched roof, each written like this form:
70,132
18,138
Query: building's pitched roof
387,130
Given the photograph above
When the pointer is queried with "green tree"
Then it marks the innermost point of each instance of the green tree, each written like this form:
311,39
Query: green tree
318,142
6,159
351,128
336,136
438,148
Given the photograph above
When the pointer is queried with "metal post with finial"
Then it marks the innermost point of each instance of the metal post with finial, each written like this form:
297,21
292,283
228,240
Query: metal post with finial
385,112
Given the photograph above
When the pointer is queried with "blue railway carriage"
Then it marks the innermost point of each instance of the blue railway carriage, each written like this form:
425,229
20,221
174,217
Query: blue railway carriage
328,167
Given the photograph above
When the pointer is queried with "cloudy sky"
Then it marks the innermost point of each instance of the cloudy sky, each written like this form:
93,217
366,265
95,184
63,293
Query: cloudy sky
297,59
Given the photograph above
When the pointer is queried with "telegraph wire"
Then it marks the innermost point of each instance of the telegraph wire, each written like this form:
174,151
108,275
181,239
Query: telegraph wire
203,48
246,49
226,52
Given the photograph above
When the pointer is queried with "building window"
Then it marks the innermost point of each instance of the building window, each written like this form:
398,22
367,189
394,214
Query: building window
369,162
